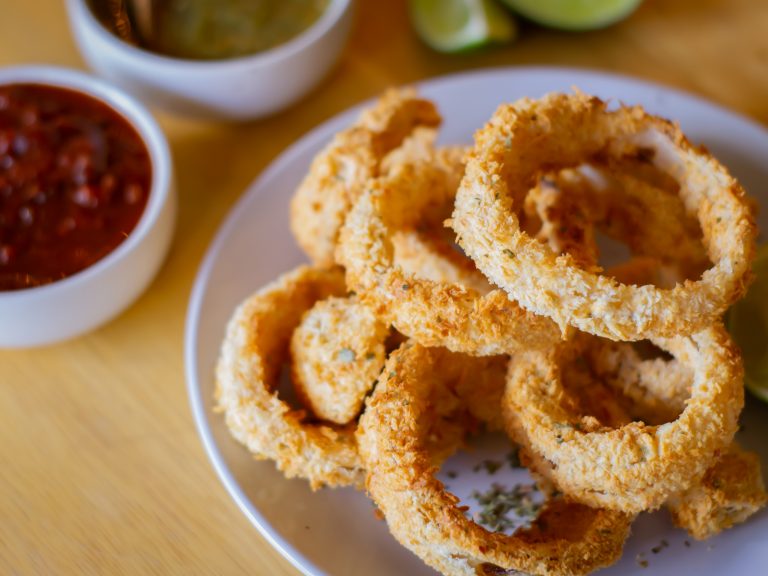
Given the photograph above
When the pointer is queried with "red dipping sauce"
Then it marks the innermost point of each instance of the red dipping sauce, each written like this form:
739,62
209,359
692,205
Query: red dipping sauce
74,181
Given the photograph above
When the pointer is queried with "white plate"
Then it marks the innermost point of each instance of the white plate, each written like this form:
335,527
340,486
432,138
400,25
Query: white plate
335,532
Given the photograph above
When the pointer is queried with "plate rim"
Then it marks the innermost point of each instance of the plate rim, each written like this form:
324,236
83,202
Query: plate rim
259,186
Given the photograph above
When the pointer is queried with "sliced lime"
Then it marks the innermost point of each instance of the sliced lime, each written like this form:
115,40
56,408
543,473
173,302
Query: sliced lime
748,324
574,14
458,25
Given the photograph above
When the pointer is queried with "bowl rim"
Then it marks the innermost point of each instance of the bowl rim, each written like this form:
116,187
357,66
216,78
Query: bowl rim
153,138
330,18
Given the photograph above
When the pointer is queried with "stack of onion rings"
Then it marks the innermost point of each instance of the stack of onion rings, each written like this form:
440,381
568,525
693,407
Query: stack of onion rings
491,336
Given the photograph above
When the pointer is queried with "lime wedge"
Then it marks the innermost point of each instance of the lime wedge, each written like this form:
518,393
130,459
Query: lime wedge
748,324
460,25
574,14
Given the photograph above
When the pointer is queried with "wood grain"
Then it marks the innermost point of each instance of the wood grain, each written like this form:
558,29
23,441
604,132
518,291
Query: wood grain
101,470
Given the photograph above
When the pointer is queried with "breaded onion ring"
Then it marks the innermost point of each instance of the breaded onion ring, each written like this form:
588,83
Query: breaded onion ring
339,173
252,355
337,353
732,488
634,467
417,399
655,391
434,313
529,137
731,491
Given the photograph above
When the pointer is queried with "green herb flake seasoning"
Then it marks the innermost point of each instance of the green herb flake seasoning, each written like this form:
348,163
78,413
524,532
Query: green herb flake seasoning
490,466
513,459
504,510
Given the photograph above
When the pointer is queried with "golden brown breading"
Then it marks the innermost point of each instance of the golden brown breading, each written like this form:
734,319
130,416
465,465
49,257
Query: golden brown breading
435,313
430,255
489,339
634,467
560,131
656,389
253,353
340,172
561,219
337,353
731,491
652,221
417,400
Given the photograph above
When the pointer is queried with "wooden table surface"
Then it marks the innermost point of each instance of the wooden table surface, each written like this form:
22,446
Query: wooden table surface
101,468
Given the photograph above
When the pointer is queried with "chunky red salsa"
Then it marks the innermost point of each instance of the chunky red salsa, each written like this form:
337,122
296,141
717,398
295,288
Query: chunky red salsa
74,181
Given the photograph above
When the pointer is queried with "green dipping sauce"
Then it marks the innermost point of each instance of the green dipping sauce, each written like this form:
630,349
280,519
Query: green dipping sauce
220,29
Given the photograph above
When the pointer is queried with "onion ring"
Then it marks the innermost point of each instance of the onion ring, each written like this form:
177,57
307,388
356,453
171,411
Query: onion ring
657,389
433,313
634,467
253,352
339,173
337,353
732,488
731,491
560,131
252,355
411,404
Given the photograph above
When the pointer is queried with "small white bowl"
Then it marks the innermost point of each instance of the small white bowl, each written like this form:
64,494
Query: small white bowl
233,89
89,298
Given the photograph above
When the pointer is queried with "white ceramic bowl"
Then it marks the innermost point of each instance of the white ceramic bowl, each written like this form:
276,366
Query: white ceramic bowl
87,299
235,89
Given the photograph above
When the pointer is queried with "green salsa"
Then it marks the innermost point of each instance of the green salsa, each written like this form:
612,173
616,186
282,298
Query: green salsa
219,29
